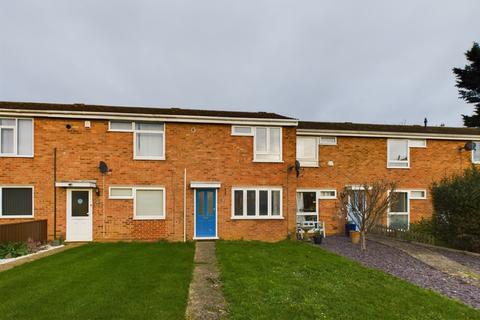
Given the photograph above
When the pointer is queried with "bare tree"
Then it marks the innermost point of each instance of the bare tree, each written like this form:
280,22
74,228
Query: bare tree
366,205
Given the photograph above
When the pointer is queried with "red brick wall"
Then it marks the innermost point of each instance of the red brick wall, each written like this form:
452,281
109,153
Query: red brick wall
363,160
208,153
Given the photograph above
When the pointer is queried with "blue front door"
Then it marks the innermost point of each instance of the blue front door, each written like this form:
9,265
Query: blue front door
205,213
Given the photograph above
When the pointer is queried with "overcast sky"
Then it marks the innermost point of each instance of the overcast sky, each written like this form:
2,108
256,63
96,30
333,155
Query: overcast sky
360,61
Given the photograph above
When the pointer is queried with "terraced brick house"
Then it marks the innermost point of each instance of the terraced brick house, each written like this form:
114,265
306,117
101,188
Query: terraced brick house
105,173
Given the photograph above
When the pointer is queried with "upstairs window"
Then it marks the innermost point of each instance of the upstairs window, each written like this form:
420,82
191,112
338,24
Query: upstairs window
307,151
122,126
242,131
149,141
268,144
398,153
16,137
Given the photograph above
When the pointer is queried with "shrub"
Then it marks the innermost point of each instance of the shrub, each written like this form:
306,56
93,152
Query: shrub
456,217
424,226
13,250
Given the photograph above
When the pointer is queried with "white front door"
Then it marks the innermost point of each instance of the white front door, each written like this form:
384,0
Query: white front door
79,215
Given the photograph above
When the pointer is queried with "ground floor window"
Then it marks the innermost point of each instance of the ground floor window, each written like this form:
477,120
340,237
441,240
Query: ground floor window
399,211
148,202
256,203
16,202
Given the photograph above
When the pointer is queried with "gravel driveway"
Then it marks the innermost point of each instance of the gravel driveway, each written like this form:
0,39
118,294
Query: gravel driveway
404,266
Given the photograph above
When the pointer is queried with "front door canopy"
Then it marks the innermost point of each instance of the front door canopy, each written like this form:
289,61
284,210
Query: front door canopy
205,184
76,184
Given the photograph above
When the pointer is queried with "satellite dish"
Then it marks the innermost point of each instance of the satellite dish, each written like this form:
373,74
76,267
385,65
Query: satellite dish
103,167
469,146
297,167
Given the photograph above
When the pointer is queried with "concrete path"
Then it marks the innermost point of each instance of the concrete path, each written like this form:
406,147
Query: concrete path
434,260
205,298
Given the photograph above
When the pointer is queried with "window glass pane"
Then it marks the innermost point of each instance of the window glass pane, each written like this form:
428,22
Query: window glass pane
121,192
17,202
6,145
328,140
242,130
419,194
274,140
251,202
201,203
25,143
121,125
276,202
398,221
149,203
306,202
327,194
306,148
261,140
149,144
80,204
7,122
399,202
210,202
152,126
238,194
398,150
417,143
263,202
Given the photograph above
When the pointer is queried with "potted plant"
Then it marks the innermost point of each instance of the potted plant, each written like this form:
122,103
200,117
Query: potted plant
355,236
317,237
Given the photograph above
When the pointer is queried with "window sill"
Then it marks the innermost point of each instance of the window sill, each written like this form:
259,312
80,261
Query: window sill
388,167
149,218
149,158
257,218
268,161
17,217
14,156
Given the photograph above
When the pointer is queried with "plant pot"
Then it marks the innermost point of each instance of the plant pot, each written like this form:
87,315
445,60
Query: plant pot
317,239
355,236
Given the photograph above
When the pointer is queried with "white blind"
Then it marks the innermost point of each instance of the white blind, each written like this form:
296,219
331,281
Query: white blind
121,192
25,137
149,203
149,144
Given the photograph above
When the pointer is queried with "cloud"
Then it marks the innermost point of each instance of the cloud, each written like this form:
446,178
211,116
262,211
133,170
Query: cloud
368,61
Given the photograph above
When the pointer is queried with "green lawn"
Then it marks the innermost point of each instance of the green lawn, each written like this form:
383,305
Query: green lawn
290,280
101,281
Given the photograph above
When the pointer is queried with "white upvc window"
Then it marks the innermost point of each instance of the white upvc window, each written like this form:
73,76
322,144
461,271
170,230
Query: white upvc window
242,131
327,141
307,151
120,126
16,137
418,194
417,143
149,141
267,144
257,203
398,216
398,153
476,152
16,202
119,192
149,203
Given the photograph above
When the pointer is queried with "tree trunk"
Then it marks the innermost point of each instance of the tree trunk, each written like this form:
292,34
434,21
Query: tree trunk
363,240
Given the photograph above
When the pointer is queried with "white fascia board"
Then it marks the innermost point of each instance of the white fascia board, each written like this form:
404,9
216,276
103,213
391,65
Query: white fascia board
382,134
147,117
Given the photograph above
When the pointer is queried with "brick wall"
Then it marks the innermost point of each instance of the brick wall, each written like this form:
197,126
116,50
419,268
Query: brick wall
208,153
363,160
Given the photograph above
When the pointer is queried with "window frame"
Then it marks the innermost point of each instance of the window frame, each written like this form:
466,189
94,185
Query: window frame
110,196
424,145
477,143
257,215
398,161
17,187
323,143
132,126
418,190
308,162
157,217
407,213
136,131
15,139
280,150
251,134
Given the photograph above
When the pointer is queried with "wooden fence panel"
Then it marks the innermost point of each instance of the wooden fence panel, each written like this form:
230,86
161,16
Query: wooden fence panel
403,234
22,231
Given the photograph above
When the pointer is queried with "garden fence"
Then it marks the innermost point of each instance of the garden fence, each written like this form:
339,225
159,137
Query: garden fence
403,234
22,231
